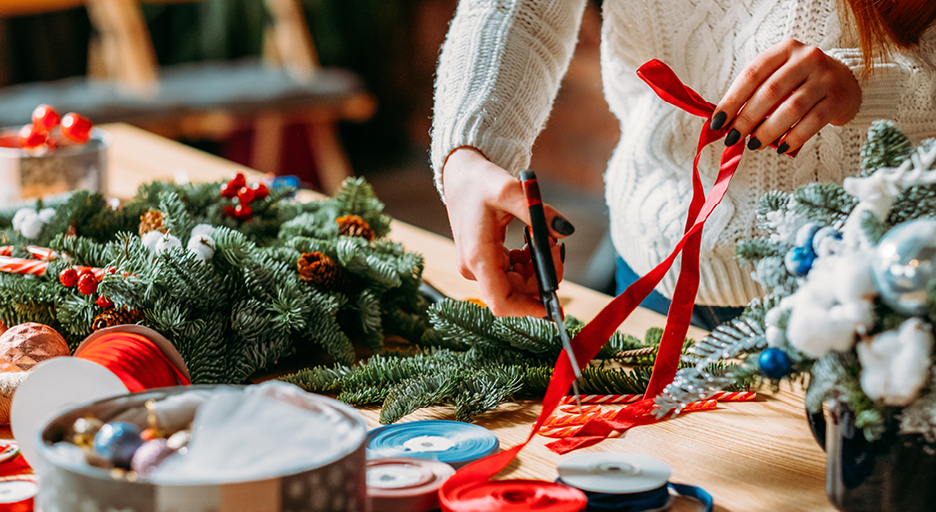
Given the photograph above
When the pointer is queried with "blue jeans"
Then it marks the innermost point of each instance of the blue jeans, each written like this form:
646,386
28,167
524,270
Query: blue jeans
705,317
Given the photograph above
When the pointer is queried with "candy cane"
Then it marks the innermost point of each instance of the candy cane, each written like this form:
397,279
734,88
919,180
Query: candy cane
735,396
23,266
603,399
40,253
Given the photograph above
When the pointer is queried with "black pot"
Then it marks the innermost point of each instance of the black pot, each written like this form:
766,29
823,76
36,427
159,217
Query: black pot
896,473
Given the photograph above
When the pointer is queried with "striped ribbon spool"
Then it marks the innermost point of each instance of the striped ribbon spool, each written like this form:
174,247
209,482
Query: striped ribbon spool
39,253
405,484
452,442
18,492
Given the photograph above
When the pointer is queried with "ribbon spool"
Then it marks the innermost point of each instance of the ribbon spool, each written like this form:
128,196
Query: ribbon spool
452,442
17,493
109,362
516,495
625,482
405,484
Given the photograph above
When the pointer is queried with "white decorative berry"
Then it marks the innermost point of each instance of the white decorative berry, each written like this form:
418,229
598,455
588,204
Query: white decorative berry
29,223
46,214
202,246
203,229
150,239
895,364
165,242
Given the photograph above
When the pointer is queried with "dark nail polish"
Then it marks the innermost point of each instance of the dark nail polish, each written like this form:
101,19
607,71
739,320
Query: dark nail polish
562,252
718,120
733,137
562,226
782,149
753,143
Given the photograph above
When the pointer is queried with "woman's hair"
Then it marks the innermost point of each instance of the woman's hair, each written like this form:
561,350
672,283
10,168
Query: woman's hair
884,25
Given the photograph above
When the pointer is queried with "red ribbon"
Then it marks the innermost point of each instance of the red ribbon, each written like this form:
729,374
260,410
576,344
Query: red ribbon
594,335
135,359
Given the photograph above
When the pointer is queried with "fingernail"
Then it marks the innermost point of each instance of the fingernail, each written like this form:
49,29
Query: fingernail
562,252
753,143
718,120
562,226
733,137
782,148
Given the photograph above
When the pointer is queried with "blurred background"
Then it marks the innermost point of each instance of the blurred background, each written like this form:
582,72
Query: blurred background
392,46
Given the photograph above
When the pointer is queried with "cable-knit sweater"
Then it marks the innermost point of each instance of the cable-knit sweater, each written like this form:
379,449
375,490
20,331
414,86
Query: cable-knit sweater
503,60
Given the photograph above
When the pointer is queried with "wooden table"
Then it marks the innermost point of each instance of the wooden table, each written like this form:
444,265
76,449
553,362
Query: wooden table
750,456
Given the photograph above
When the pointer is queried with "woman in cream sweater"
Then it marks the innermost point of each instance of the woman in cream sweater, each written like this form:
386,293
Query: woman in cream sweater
786,70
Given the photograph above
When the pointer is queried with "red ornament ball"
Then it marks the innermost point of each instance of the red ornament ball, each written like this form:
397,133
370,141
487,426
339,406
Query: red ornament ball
68,277
87,284
45,117
242,212
261,191
104,302
76,127
238,181
31,136
228,191
229,211
245,195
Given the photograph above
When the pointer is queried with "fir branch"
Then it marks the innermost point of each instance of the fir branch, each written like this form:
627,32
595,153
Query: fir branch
886,146
752,250
825,203
484,389
417,392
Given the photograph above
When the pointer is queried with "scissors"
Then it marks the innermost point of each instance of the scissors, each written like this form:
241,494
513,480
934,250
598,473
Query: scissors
537,236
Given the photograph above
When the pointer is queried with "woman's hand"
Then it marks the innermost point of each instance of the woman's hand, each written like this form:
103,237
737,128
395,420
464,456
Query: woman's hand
787,94
481,199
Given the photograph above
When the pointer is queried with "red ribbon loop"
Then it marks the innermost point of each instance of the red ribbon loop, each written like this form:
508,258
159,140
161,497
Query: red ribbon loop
593,336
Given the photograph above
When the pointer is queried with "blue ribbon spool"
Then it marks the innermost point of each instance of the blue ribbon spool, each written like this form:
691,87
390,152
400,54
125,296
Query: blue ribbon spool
452,442
625,483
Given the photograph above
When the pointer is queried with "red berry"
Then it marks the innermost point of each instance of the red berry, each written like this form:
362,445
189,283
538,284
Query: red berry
45,117
228,190
261,191
245,195
229,211
238,181
104,302
87,283
76,127
242,212
31,136
68,277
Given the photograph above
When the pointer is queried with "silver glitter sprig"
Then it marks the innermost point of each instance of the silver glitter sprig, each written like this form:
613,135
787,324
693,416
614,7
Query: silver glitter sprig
698,382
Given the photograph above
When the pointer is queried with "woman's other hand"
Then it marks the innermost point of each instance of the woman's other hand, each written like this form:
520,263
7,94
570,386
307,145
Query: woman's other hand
481,199
786,95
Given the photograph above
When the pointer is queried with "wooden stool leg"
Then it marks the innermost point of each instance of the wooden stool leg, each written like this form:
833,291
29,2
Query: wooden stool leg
267,142
331,161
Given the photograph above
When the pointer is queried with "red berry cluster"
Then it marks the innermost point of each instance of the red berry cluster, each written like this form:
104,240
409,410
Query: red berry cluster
75,128
86,282
237,189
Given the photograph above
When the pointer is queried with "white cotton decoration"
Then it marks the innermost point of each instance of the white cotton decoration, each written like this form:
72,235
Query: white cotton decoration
832,305
166,242
20,217
895,364
203,229
46,214
202,246
775,336
31,227
785,224
150,239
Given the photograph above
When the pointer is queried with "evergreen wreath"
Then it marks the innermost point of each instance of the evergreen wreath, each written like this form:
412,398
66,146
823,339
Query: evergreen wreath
851,299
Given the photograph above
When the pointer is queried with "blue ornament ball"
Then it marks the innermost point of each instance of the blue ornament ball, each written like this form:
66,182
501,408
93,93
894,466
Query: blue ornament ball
117,441
774,363
904,265
799,260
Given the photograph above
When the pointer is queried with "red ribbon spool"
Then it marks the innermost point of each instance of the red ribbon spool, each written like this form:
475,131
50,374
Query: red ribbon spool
592,337
133,358
515,495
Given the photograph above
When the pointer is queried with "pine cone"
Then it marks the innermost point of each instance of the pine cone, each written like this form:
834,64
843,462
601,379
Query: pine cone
322,271
114,316
152,220
353,225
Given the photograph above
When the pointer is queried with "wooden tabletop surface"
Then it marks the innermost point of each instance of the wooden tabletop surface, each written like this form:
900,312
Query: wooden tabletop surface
755,456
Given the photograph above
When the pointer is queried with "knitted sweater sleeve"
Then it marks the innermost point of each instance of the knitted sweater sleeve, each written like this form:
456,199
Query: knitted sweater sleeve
498,74
902,88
